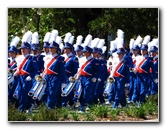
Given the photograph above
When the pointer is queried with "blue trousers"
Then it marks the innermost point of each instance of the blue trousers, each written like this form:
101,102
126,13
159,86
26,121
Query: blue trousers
111,96
99,92
120,97
154,88
133,87
54,91
93,96
85,98
24,99
12,89
142,81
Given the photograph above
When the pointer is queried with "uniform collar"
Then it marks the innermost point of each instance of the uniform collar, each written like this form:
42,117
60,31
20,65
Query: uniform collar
54,55
90,57
122,59
36,55
48,53
14,59
133,56
26,55
144,56
154,58
100,58
79,56
70,54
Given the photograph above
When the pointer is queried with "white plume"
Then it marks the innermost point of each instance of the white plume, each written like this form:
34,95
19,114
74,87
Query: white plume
15,41
131,45
71,40
146,39
79,40
67,37
47,37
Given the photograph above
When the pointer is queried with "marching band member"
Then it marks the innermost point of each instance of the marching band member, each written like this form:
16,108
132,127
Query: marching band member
109,62
46,44
133,77
114,61
54,74
121,76
26,71
104,75
94,95
35,51
135,49
87,75
13,65
71,67
154,84
143,65
78,50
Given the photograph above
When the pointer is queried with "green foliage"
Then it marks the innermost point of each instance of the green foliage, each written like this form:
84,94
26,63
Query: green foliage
114,113
15,115
100,111
75,116
64,113
45,114
97,112
89,117
96,21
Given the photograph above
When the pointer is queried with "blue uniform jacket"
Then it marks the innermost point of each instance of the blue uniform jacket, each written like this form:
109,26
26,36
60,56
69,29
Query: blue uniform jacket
90,68
155,63
40,62
145,65
71,65
13,64
103,70
122,70
57,67
30,67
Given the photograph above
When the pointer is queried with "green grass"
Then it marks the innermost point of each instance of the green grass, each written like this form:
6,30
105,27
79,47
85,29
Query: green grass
97,112
15,115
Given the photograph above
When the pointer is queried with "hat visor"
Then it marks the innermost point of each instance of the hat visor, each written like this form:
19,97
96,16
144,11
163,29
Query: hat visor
153,51
65,47
11,51
118,52
23,47
94,51
134,49
144,49
53,47
45,46
33,48
84,51
78,50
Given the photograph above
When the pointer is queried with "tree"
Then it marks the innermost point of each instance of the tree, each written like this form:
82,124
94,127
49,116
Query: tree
99,22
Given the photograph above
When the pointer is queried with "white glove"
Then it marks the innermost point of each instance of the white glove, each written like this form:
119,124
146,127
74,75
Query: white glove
135,70
94,79
99,80
63,85
15,73
28,78
127,84
156,80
